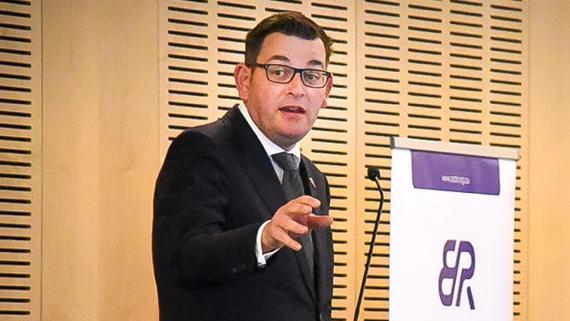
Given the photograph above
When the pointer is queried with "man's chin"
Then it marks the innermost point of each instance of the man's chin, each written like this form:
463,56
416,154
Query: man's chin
291,138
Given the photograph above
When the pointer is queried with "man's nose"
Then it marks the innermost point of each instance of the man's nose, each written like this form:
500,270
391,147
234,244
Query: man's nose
296,86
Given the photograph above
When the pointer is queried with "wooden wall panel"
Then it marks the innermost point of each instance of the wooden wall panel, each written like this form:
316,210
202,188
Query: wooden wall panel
20,157
546,279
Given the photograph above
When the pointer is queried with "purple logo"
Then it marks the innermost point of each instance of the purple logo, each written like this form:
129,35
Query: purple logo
452,272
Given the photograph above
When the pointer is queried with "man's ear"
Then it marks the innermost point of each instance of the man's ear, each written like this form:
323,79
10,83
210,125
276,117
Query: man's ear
328,87
242,76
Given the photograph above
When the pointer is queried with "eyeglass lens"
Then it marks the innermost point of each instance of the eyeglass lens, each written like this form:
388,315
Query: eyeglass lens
284,74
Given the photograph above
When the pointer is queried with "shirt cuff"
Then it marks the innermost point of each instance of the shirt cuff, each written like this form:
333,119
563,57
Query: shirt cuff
262,258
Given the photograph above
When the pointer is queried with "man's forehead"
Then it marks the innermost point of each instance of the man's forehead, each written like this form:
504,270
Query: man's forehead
285,48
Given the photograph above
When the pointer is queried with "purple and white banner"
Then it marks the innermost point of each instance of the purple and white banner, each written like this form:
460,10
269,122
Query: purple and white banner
451,236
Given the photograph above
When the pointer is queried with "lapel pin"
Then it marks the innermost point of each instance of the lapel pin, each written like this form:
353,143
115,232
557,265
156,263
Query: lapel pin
312,182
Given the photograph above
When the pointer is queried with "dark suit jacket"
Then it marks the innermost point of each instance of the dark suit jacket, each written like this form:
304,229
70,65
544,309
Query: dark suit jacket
215,189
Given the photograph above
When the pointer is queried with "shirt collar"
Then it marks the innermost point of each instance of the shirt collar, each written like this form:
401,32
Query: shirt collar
270,147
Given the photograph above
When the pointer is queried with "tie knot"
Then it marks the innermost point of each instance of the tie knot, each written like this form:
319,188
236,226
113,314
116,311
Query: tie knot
286,161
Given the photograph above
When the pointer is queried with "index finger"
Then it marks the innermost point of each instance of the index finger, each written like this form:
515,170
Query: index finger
308,200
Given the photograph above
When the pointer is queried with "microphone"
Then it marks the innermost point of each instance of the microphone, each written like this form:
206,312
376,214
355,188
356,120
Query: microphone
373,175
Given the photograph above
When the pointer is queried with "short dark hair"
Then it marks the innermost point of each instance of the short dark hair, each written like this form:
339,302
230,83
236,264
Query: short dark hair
290,23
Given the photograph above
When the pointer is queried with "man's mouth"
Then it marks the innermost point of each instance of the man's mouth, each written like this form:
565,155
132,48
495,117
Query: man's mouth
293,109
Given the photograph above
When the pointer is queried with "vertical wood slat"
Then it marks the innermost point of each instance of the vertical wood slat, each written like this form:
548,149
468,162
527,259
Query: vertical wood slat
20,157
332,145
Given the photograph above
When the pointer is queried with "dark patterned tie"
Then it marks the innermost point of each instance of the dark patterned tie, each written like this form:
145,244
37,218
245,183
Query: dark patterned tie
293,188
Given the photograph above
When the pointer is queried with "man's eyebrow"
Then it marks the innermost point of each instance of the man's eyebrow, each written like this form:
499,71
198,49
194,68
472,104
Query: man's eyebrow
312,62
279,57
316,62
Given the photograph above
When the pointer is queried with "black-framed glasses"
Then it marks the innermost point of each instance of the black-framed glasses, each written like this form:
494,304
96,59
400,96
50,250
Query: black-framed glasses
283,74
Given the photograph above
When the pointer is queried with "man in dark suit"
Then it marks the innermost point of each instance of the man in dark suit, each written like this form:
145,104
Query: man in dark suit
241,227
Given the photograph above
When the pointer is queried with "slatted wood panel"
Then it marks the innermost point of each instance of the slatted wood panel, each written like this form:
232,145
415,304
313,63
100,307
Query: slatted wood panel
451,71
332,146
20,171
441,70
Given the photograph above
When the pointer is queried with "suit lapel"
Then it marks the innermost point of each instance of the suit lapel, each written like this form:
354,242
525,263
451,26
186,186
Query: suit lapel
256,163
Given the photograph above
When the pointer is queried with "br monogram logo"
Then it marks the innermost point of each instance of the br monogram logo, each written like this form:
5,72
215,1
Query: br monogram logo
452,273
